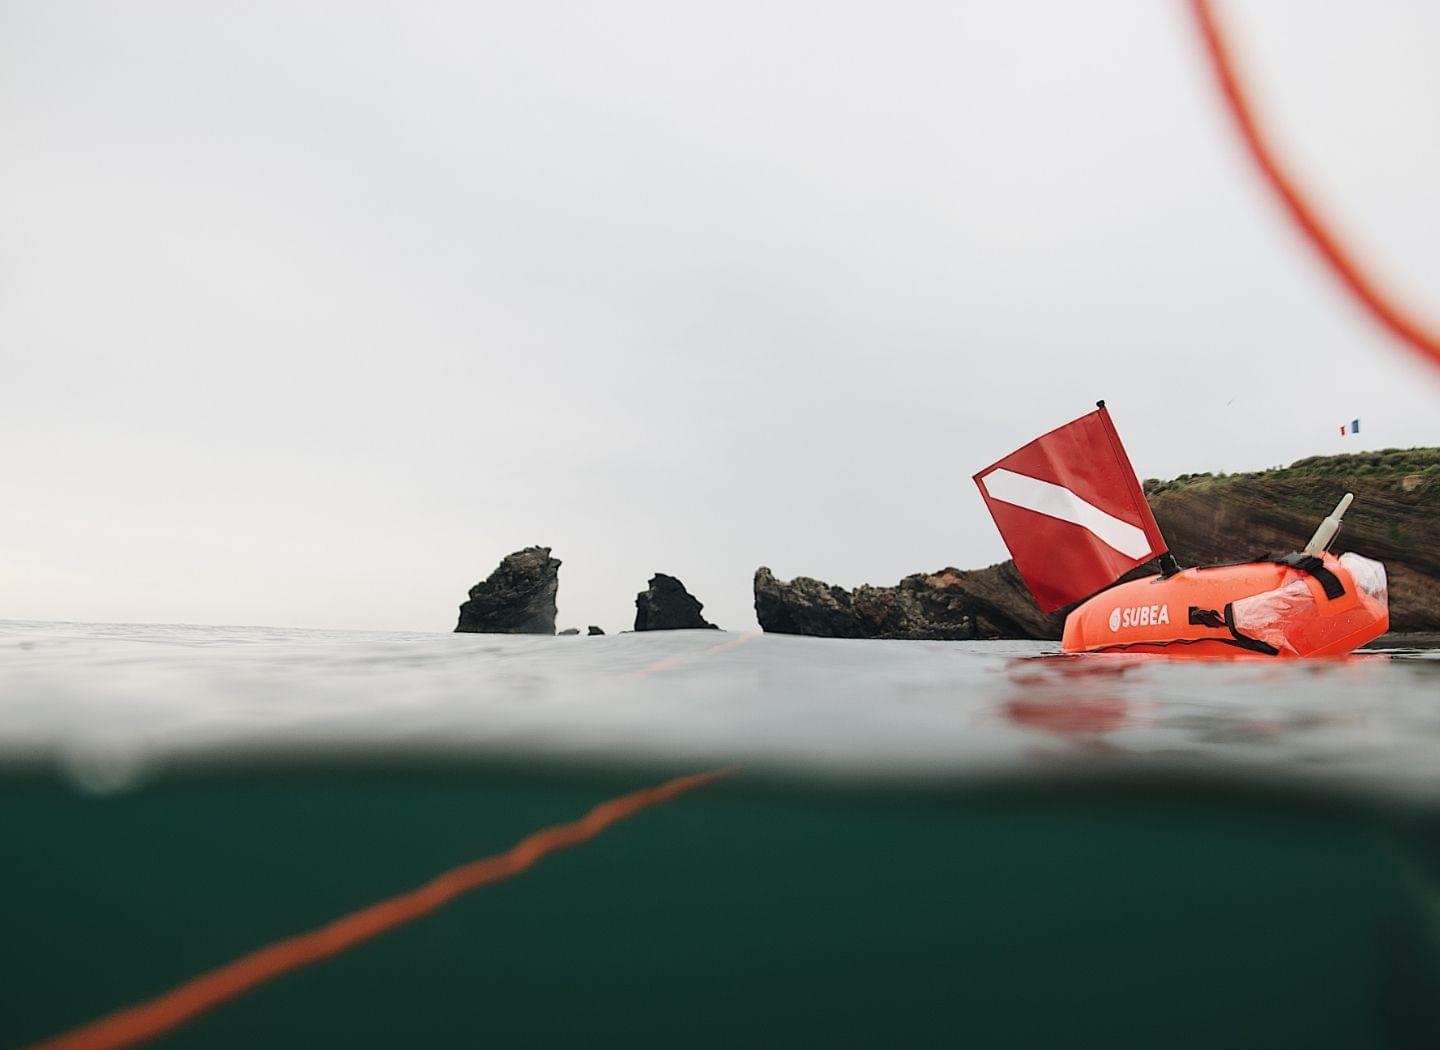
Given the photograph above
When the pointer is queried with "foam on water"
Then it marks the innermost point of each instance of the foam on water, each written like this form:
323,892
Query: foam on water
107,703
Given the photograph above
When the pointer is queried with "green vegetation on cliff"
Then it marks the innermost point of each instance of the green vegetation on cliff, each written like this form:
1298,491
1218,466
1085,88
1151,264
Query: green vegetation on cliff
1396,463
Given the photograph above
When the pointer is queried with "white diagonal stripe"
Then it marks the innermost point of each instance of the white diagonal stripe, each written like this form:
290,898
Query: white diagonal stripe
1056,501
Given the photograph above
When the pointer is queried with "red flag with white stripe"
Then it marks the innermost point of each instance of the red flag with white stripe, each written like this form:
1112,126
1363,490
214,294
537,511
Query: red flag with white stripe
1071,511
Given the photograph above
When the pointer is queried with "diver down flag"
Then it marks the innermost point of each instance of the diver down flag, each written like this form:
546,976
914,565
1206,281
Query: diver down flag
1070,509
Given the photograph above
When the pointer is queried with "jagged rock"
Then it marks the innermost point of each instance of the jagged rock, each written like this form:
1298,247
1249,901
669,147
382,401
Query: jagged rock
1207,519
517,598
570,630
592,631
667,606
948,605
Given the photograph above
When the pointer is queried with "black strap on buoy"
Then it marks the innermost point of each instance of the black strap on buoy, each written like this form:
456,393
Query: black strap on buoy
1244,641
1205,617
1315,567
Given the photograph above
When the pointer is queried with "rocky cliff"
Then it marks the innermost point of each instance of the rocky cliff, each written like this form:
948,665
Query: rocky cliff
946,605
517,598
1207,518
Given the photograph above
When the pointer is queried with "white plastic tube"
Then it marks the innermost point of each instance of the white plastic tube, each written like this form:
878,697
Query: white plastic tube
1325,534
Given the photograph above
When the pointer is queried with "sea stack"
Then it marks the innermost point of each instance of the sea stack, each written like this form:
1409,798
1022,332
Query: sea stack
517,598
667,606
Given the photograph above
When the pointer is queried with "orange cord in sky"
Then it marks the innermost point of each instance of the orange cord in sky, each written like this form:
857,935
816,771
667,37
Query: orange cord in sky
1381,307
156,1016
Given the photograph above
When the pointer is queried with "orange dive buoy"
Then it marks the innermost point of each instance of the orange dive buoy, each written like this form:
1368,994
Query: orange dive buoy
1075,519
1301,605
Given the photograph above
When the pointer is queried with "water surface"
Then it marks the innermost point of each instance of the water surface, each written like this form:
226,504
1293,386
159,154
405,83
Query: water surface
110,702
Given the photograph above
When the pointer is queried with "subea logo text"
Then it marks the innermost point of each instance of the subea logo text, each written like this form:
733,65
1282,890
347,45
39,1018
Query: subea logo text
1139,616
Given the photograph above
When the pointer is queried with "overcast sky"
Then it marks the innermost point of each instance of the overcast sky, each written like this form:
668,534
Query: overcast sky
310,312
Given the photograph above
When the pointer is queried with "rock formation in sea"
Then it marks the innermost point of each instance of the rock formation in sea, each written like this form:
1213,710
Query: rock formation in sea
667,606
517,598
949,604
592,631
569,631
1206,518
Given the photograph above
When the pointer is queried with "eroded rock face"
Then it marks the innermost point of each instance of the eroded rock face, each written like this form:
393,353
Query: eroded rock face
945,605
806,605
517,598
667,606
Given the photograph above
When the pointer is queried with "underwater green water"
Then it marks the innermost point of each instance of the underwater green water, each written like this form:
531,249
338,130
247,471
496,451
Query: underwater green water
751,912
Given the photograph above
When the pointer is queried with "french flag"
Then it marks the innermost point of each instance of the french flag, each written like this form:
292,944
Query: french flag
1354,428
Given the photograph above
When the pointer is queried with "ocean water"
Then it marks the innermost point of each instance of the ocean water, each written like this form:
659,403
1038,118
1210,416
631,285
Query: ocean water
919,842
108,705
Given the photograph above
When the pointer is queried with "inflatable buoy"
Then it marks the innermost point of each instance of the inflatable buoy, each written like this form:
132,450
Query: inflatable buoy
1074,516
1299,605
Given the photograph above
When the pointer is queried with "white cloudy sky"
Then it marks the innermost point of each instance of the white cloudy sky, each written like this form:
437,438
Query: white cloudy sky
309,312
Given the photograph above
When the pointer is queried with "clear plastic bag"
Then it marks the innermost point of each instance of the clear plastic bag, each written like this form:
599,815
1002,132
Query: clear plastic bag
1269,614
1369,577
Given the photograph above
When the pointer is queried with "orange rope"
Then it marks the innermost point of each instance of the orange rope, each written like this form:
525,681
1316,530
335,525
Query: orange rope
179,1005
1380,306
